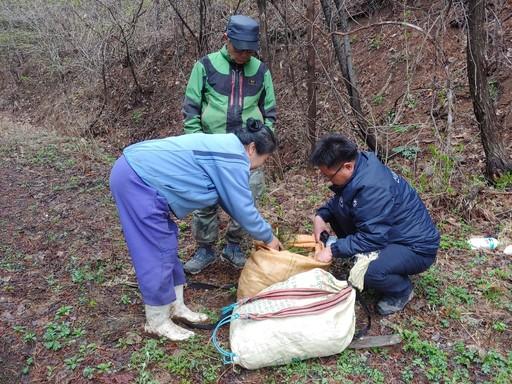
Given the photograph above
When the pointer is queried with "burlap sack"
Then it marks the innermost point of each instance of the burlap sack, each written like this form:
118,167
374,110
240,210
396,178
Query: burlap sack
266,266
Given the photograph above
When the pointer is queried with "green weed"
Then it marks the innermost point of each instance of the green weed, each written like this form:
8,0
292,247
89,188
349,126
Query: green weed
499,326
407,375
88,372
137,116
410,102
441,169
399,128
504,182
375,43
498,366
502,274
479,259
428,284
104,367
434,359
87,273
408,152
442,97
29,337
493,89
200,358
458,295
149,354
378,99
11,261
59,333
490,290
29,362
450,242
465,356
54,334
350,363
73,362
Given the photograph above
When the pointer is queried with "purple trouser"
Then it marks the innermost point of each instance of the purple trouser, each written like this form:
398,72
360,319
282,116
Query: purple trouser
151,236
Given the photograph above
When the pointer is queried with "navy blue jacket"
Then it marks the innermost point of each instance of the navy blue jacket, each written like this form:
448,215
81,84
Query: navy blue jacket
376,207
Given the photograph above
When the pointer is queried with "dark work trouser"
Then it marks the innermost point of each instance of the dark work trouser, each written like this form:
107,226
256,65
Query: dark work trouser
389,274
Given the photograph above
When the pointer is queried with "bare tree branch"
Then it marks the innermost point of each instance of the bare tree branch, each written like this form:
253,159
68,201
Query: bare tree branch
175,8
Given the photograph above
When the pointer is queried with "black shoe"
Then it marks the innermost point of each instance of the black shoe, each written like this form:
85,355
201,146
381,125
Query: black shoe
233,254
203,257
389,305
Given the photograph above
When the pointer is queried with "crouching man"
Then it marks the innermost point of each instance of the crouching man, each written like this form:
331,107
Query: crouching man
374,209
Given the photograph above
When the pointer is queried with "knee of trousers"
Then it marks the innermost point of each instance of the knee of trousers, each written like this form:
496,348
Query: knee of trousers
375,277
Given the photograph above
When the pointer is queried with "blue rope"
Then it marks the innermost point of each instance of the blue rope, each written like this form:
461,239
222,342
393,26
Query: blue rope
228,308
227,356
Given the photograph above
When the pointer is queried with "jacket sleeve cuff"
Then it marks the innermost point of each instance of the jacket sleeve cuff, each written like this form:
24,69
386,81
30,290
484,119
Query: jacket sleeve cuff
336,252
269,239
324,214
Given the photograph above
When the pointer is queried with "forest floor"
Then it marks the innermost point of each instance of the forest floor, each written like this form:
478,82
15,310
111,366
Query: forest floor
70,311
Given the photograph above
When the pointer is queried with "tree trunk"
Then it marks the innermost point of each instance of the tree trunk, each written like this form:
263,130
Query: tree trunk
262,8
483,106
311,84
203,42
344,56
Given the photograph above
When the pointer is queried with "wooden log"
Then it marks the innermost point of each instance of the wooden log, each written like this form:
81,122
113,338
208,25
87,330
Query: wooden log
375,341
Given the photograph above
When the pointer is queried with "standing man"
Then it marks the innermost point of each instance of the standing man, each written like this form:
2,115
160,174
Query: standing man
374,209
225,89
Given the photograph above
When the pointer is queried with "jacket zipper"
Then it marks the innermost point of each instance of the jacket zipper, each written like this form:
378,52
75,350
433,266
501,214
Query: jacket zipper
232,88
236,73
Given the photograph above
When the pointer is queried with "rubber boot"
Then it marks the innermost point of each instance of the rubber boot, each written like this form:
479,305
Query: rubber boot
158,322
180,310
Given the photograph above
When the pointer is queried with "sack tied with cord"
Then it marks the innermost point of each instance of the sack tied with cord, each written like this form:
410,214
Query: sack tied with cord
309,314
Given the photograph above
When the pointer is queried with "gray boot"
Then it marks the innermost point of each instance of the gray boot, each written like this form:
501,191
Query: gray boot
389,305
233,254
203,257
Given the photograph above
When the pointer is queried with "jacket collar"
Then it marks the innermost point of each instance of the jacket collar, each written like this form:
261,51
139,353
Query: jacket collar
358,165
225,55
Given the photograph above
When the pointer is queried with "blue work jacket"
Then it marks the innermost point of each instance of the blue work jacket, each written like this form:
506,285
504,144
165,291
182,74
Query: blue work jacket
197,171
377,207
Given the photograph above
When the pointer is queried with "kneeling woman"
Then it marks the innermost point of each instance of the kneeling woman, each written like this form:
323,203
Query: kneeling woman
177,175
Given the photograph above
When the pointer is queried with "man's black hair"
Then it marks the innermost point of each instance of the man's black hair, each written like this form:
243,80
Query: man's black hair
332,150
258,133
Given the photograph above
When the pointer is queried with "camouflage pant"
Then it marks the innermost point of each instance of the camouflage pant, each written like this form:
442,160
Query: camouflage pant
205,223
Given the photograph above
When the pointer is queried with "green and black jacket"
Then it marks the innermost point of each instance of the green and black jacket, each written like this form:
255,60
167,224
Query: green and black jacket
221,95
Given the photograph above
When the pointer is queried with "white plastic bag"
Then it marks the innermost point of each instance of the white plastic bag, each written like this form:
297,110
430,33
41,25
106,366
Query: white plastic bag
275,341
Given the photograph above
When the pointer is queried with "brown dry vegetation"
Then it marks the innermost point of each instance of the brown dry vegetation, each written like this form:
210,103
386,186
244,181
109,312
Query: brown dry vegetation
69,312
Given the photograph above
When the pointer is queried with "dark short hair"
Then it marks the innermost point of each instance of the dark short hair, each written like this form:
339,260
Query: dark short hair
332,150
258,133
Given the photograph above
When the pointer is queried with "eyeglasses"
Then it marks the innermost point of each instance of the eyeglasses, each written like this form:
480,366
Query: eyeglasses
335,173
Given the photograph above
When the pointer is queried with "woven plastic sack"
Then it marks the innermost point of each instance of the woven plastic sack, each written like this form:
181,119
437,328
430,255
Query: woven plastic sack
266,266
275,341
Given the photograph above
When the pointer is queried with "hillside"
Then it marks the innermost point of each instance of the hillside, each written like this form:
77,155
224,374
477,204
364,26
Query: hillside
69,307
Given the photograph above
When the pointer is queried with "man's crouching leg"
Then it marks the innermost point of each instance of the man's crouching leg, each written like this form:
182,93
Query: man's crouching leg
389,276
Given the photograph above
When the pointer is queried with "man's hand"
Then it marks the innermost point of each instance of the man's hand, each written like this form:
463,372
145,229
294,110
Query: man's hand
325,255
275,244
319,225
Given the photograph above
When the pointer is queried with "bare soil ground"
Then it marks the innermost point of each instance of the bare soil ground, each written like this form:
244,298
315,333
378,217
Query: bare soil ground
70,312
